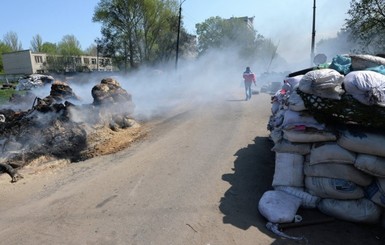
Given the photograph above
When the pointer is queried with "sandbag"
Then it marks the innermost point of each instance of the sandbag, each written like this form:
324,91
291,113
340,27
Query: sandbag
288,170
278,118
325,83
363,142
278,206
342,64
331,152
371,164
307,200
295,102
364,61
376,192
275,106
276,135
293,82
333,188
367,87
285,146
293,119
308,135
338,171
359,210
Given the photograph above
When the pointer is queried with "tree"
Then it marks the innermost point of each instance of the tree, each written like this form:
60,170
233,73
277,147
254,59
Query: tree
234,33
92,50
136,31
49,48
69,50
11,39
4,48
341,44
367,24
37,44
69,46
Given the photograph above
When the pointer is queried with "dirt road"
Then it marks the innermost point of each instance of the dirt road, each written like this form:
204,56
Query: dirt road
195,179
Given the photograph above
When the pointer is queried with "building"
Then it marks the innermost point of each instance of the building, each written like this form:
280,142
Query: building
249,21
27,62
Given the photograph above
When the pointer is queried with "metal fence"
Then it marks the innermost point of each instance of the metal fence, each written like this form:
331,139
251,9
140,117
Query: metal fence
9,78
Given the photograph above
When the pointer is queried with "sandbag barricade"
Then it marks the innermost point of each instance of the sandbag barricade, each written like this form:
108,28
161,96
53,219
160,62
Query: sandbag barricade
328,141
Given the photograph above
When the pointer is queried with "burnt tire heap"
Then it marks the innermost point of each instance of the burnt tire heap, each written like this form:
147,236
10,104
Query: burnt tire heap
55,126
327,125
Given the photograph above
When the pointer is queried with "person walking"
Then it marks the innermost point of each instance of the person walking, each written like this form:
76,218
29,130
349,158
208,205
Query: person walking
249,78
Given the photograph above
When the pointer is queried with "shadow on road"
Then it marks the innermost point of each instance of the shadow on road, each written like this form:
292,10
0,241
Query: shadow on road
252,176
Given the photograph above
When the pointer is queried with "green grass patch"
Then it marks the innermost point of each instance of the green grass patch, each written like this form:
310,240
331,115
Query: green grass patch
5,94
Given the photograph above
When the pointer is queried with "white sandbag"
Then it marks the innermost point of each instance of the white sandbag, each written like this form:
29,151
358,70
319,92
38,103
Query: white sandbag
359,210
371,164
293,119
367,87
278,206
275,106
325,83
307,200
338,171
295,102
293,81
331,152
276,135
333,188
376,192
363,142
278,118
285,146
364,61
308,135
288,170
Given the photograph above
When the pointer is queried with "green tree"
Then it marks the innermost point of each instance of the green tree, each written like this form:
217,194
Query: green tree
366,23
69,50
69,46
49,48
137,31
37,43
234,33
4,48
12,40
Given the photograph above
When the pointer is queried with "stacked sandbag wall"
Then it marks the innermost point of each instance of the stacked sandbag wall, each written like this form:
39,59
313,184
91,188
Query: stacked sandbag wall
336,164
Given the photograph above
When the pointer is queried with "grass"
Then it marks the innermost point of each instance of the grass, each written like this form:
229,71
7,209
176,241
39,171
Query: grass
5,94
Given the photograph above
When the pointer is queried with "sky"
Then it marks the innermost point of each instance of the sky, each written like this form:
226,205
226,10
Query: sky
288,23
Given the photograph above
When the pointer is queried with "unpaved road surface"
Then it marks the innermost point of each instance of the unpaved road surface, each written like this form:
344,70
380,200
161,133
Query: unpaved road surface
195,179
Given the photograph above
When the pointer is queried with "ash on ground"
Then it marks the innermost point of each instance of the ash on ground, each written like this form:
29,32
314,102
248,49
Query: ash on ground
59,127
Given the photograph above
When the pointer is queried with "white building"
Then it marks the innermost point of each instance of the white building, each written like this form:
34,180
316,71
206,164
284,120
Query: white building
27,62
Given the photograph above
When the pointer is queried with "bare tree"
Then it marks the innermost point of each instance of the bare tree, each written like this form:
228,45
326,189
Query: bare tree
11,39
37,44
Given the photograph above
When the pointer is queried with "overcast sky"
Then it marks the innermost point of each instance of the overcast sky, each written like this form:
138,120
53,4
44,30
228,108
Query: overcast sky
288,23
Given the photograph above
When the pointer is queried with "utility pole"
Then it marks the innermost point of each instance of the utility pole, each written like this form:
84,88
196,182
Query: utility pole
177,38
313,35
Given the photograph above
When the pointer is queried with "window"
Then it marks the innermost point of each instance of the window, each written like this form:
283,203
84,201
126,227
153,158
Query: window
38,59
86,61
93,61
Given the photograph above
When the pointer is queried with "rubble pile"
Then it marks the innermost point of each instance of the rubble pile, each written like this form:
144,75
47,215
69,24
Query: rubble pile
34,81
327,128
59,127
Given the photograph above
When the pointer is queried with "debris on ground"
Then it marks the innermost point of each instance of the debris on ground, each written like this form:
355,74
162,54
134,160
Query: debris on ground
59,127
